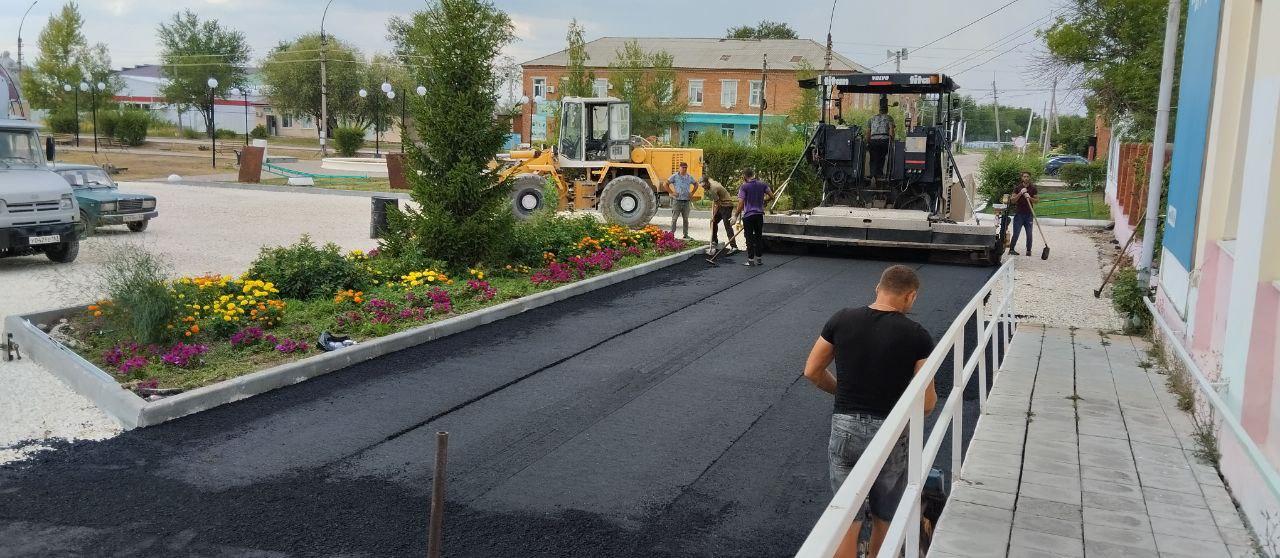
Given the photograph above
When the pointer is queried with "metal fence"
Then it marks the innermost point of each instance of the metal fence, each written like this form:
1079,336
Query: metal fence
994,331
1066,205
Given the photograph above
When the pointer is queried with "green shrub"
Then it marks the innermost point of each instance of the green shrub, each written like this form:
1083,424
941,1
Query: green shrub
137,283
1000,171
303,270
107,120
348,140
259,132
223,134
63,122
189,133
1126,295
548,232
131,127
725,160
1082,176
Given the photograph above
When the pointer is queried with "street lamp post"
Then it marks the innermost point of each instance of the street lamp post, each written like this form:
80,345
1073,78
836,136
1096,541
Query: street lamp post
20,23
75,92
324,84
386,90
364,94
93,100
245,92
404,122
213,136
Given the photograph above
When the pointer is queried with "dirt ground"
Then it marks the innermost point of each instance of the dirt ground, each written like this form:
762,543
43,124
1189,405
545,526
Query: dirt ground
148,165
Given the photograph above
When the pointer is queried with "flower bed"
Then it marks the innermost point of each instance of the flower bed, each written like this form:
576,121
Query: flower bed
220,327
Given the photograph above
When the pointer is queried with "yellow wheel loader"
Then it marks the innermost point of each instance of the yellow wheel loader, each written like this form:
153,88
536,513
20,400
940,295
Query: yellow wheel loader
597,164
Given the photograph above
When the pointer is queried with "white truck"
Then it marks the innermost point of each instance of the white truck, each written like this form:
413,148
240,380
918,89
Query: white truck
38,210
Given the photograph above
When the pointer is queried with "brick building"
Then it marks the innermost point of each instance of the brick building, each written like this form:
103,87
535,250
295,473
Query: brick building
719,79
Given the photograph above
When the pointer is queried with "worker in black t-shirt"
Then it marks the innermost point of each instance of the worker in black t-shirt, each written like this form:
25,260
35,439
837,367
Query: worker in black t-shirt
877,350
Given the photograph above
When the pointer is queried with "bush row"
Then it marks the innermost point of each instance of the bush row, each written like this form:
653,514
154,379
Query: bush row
129,126
1001,170
1081,176
724,160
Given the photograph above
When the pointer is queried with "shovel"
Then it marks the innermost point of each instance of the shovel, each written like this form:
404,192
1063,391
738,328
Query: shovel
1044,254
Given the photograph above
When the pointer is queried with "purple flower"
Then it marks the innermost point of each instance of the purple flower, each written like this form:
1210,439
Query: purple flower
133,363
288,346
246,336
183,355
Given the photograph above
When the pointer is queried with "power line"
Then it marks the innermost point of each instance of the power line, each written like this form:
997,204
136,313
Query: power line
1028,41
961,28
998,43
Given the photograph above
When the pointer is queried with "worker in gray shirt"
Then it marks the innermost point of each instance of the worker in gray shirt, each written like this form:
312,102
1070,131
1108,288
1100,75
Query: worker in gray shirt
880,130
681,186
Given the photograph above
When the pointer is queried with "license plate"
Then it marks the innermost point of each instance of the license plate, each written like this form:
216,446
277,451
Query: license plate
128,218
50,239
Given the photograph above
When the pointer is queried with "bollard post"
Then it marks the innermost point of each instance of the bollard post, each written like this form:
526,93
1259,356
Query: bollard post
437,496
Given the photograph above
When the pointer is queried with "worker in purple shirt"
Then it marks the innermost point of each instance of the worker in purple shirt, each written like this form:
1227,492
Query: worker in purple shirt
752,196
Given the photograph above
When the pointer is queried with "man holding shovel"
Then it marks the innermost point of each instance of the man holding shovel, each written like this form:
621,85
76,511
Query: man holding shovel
1024,196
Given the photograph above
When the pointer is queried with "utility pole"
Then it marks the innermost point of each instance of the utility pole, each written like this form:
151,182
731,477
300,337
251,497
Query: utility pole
1026,138
826,69
995,96
1156,173
1053,116
20,22
764,77
898,56
324,86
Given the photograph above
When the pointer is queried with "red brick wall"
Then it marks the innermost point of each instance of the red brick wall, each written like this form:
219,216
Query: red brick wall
782,92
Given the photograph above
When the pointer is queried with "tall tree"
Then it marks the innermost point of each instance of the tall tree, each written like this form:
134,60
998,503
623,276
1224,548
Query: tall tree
764,30
647,81
66,58
578,79
291,77
193,51
1115,49
464,216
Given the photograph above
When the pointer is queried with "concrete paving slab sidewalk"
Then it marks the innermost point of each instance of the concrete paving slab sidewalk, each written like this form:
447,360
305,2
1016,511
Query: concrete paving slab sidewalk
1082,451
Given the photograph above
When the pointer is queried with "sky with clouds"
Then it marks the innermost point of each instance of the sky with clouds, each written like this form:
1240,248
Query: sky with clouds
863,30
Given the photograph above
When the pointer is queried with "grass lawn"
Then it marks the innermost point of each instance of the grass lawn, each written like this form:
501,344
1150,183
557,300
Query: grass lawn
1071,204
150,165
361,184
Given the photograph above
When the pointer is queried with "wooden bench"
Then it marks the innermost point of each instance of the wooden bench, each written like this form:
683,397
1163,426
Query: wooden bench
64,139
225,147
113,143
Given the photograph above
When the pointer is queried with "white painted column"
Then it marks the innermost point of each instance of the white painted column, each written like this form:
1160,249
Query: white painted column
1257,231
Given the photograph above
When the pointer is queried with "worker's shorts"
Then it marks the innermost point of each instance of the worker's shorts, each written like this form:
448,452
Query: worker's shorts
850,435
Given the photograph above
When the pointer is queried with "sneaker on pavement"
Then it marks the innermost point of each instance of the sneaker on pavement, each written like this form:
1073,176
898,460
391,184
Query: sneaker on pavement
1013,252
749,263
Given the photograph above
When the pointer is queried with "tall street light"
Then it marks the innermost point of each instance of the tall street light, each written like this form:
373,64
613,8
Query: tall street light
76,92
20,22
365,96
213,136
324,84
93,100
391,94
404,122
245,93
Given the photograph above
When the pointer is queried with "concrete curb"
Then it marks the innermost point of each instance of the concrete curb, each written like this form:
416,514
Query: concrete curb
133,412
274,188
984,218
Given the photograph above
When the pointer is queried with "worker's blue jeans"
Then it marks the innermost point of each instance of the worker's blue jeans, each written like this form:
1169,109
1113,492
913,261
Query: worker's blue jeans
1021,221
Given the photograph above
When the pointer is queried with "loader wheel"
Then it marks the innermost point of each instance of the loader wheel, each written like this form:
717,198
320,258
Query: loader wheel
628,201
526,195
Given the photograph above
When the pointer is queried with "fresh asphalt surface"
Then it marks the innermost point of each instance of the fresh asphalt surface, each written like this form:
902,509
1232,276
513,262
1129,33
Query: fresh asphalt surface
664,416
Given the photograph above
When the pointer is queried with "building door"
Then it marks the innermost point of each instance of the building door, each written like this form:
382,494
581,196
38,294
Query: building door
693,136
272,129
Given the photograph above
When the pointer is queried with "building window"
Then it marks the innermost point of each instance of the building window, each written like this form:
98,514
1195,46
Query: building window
755,129
307,123
540,88
726,130
286,121
757,93
728,93
695,93
600,87
693,136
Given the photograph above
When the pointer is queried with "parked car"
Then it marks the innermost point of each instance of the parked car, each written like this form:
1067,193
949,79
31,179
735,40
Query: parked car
1052,166
37,211
102,203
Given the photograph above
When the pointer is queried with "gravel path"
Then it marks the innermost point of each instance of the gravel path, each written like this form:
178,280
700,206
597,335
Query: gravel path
1058,292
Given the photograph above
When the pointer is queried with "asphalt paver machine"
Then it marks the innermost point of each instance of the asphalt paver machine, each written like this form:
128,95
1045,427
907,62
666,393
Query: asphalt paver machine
905,205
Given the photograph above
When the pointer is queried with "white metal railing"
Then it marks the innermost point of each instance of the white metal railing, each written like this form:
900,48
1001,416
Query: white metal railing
1259,460
830,529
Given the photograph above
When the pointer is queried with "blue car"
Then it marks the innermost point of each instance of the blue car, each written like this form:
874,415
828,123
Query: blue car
101,203
1053,165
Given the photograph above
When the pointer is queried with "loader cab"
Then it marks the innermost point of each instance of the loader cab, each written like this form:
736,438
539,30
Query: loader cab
594,131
